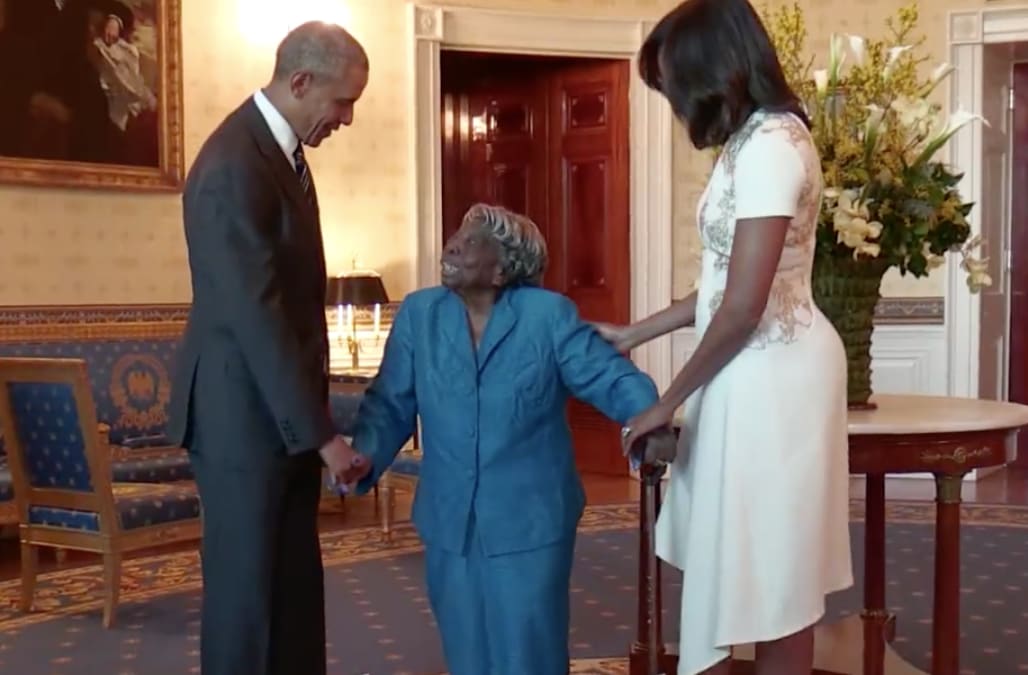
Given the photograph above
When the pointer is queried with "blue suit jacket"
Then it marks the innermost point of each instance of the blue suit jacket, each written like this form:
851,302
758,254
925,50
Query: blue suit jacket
496,442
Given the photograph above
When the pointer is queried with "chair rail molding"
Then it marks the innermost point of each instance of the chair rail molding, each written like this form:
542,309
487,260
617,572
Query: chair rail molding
905,358
432,28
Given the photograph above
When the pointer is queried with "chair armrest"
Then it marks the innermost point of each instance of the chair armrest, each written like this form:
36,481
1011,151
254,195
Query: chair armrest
104,430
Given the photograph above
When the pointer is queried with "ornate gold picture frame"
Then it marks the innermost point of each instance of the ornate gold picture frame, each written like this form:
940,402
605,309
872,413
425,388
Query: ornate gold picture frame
93,93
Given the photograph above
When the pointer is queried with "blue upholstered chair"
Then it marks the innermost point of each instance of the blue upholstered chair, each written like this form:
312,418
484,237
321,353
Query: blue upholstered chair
402,475
61,469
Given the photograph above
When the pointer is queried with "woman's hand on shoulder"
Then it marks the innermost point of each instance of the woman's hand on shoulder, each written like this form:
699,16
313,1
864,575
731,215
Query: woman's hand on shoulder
616,335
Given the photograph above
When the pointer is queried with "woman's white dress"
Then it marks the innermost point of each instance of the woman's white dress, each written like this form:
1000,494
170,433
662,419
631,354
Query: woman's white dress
756,511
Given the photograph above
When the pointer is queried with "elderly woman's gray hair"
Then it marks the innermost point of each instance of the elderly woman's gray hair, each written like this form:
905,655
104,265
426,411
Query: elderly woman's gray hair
523,254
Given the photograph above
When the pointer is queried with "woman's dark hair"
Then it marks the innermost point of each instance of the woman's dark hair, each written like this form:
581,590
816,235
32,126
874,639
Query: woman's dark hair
714,62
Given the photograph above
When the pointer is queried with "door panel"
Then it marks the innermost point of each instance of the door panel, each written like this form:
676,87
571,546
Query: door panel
1018,364
589,102
548,137
494,141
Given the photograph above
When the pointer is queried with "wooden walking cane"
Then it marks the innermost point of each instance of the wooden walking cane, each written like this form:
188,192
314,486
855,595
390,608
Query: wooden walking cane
651,475
647,655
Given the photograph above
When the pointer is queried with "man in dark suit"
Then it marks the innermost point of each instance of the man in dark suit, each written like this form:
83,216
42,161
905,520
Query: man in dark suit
250,395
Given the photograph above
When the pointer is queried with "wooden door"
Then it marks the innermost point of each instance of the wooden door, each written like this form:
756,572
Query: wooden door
494,139
548,137
589,209
1018,363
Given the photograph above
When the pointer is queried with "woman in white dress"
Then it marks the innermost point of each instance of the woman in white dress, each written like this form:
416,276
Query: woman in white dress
756,512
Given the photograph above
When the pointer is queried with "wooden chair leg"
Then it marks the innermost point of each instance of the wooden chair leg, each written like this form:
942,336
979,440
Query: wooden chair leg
29,568
112,586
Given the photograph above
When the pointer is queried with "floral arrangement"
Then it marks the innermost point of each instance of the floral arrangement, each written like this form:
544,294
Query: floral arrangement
888,201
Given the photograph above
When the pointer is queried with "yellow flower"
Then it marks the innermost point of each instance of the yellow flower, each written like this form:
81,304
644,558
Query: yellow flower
912,112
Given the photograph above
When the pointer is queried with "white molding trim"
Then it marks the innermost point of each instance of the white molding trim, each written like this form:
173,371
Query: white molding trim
432,28
969,31
905,359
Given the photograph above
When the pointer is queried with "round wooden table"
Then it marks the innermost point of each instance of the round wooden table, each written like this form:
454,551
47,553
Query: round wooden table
946,437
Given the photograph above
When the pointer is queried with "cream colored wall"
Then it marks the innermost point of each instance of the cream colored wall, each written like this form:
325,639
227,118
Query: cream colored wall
77,247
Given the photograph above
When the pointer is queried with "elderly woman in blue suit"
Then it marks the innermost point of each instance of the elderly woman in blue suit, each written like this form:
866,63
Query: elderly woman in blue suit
488,361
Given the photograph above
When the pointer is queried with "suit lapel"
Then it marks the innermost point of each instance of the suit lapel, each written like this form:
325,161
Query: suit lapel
456,330
453,324
501,323
283,169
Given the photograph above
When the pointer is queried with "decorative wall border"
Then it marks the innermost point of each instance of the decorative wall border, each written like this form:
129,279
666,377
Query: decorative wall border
12,315
926,310
18,323
85,322
91,322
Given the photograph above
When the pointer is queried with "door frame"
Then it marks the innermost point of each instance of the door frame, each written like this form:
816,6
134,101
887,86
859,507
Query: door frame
968,31
432,28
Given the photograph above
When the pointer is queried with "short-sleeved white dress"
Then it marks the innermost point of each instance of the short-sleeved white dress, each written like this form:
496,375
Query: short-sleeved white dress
756,511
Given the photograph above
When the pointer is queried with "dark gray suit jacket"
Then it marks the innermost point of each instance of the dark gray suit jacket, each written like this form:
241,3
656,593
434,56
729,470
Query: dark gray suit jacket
256,340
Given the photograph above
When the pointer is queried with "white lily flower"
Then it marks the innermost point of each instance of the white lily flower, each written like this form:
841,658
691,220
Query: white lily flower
872,126
893,59
957,121
858,47
821,80
940,73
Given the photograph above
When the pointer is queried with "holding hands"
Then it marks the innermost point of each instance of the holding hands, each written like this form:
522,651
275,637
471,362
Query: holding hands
345,465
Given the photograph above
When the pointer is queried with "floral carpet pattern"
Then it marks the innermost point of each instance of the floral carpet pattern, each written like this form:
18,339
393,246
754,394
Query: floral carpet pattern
376,597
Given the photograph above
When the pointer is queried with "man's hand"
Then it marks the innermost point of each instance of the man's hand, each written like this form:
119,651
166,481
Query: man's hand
345,464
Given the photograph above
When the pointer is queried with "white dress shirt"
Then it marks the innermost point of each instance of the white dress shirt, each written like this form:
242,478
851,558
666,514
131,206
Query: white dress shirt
280,129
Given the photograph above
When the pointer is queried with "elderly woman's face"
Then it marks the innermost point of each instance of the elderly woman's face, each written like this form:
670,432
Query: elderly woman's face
471,260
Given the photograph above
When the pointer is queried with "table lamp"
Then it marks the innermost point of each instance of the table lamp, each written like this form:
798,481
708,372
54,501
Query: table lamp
360,288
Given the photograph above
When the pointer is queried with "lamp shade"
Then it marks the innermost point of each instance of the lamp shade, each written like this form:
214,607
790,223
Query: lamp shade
361,289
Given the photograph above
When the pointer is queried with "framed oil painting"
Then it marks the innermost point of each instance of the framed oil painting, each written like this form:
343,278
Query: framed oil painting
92,93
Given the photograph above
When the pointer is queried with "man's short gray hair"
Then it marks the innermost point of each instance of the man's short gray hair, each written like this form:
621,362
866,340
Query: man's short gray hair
319,48
523,254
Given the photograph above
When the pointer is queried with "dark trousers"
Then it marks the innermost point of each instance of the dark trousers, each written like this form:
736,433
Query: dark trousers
263,583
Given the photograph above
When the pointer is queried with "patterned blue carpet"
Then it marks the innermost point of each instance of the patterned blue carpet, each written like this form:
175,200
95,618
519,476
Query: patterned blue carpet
380,623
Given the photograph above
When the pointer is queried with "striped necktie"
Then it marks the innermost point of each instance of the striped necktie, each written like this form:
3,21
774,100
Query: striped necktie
302,171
